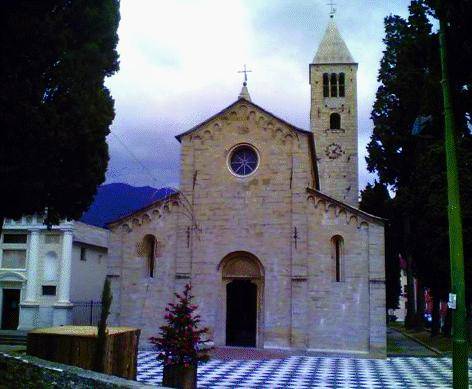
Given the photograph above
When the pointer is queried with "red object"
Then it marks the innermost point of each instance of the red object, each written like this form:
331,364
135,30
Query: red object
403,264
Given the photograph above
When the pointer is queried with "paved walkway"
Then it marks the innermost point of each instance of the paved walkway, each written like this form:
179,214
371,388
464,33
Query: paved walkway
401,345
304,372
231,367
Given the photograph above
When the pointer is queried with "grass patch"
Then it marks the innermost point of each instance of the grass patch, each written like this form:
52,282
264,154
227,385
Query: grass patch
439,342
393,348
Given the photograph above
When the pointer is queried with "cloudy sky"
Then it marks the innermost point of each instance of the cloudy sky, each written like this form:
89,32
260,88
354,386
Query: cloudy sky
180,60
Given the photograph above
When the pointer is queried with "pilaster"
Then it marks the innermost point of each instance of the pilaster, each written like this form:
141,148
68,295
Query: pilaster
65,269
63,307
29,308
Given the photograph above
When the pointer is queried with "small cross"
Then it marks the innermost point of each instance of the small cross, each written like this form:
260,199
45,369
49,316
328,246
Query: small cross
188,236
245,71
295,236
332,11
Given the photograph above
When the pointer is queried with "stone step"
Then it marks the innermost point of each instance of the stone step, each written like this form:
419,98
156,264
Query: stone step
13,342
13,337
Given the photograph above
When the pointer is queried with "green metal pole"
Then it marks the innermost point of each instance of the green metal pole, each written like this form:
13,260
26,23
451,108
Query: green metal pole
459,343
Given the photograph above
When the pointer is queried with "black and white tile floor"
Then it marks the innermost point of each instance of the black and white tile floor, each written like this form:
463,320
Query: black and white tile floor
313,372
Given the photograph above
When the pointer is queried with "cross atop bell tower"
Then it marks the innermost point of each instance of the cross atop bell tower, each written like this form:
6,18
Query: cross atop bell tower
333,115
332,10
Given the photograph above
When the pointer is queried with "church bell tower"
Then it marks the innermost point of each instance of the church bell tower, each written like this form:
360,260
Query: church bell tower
333,116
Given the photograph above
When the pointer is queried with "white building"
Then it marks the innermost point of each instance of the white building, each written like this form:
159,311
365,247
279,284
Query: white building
42,272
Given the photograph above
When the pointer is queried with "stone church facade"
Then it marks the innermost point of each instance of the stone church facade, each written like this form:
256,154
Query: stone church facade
266,228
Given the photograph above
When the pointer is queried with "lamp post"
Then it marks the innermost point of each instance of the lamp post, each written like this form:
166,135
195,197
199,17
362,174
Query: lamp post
459,343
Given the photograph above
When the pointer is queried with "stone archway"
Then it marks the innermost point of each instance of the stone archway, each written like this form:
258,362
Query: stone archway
242,277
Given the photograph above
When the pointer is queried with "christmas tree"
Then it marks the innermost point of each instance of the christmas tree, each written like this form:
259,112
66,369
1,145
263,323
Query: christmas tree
181,341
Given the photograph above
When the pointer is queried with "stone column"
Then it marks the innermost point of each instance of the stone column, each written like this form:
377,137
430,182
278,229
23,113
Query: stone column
63,306
66,268
32,268
29,308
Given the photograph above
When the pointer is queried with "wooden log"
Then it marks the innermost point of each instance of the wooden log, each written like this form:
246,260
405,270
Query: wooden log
75,345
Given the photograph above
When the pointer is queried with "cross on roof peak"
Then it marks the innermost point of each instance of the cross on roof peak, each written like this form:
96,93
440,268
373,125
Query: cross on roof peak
245,71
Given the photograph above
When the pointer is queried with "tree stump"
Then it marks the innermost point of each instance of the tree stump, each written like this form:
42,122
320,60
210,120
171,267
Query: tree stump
179,376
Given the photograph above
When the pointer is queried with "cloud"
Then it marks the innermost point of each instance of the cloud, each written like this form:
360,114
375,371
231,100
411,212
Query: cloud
179,62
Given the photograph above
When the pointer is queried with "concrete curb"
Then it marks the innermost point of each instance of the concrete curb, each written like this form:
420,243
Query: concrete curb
434,350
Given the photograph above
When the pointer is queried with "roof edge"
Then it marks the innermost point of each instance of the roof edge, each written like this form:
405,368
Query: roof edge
146,207
194,128
373,218
334,63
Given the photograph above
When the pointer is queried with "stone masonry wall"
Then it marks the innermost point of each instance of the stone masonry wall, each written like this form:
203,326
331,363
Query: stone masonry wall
252,214
269,215
29,372
339,311
139,300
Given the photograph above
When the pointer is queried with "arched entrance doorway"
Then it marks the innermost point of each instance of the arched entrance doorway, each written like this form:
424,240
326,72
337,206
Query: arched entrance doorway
241,313
243,279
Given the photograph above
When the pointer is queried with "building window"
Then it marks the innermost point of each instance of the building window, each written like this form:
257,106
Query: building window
342,88
83,254
334,85
335,121
14,259
49,290
337,244
150,253
243,160
14,238
50,267
325,85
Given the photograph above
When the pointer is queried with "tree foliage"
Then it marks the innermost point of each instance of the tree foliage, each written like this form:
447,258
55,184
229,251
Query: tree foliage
376,200
414,166
102,331
55,110
180,342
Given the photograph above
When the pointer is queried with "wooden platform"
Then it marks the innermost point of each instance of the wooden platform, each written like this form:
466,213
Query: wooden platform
75,345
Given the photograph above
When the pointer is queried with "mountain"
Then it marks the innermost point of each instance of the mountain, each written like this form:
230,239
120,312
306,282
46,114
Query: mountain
113,201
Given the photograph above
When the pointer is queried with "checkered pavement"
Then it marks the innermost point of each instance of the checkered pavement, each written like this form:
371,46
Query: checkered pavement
313,372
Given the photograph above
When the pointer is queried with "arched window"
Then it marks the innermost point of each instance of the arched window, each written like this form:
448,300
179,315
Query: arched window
325,85
337,248
149,246
335,121
342,88
334,85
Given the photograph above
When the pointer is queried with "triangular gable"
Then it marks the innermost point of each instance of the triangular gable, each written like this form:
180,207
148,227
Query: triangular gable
311,139
232,105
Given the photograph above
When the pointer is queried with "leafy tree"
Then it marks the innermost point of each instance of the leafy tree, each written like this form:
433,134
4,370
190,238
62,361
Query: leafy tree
414,166
55,111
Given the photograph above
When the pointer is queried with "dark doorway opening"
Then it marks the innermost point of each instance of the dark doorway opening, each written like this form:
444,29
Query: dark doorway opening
10,309
241,313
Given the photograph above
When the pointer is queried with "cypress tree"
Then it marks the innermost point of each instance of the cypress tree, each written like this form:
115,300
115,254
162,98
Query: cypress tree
100,349
55,110
414,166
